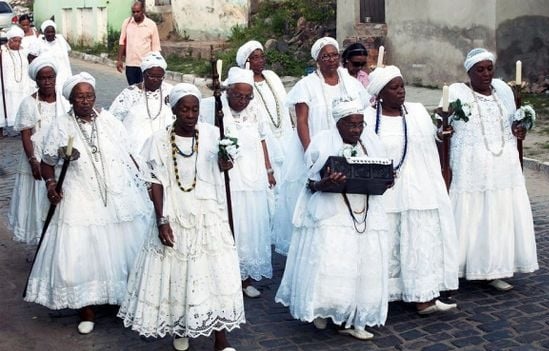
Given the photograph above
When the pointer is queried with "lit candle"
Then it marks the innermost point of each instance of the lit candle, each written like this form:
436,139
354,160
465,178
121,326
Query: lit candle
219,67
445,102
380,54
518,77
68,152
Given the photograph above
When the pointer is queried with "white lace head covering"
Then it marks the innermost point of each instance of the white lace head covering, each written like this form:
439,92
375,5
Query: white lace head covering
380,77
70,83
344,108
320,43
245,51
46,24
181,90
239,75
15,31
153,59
43,60
476,55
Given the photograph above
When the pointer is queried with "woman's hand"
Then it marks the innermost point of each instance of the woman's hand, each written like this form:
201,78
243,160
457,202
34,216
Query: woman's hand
53,196
165,234
518,130
224,164
442,132
271,179
330,179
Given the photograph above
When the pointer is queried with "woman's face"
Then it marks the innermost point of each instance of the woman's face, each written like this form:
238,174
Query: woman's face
481,75
186,112
26,26
355,64
14,43
45,79
49,33
83,99
257,61
328,59
350,128
153,78
239,96
393,94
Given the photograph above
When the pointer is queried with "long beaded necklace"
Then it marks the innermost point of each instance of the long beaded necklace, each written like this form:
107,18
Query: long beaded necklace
15,70
147,103
94,153
176,150
278,121
39,108
327,105
482,128
357,223
404,127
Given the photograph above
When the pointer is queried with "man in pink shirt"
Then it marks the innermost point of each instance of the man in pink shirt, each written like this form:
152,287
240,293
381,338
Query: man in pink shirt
138,37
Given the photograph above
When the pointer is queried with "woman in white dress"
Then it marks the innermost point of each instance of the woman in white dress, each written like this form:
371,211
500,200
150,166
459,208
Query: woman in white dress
15,83
102,214
55,44
33,119
186,280
270,97
312,99
31,34
337,263
491,206
422,235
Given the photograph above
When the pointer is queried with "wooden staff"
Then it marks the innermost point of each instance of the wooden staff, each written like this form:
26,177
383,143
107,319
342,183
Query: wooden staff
216,86
3,89
445,157
69,154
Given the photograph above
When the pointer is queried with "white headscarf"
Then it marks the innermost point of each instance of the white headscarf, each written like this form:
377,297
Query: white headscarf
15,31
245,51
239,75
344,108
380,77
153,59
43,60
320,43
46,24
70,83
181,90
476,55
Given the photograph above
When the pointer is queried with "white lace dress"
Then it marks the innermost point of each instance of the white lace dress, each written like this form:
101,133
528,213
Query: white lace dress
491,206
28,200
193,288
422,238
16,83
59,48
133,96
99,225
333,270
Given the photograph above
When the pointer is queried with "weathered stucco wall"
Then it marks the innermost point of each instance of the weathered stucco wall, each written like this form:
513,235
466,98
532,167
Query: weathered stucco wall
348,13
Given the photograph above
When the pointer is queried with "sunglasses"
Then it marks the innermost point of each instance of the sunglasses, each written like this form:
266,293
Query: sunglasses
358,64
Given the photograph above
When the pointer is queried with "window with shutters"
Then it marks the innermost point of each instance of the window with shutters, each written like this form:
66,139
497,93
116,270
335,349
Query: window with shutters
372,11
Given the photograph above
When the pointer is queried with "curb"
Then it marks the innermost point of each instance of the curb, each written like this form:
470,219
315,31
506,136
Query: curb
536,165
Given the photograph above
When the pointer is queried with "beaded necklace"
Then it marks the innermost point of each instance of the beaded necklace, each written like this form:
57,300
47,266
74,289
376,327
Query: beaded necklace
147,102
278,122
483,129
15,71
176,150
404,127
39,108
327,105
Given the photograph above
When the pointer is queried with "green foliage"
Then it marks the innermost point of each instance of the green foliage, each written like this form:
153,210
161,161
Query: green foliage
189,65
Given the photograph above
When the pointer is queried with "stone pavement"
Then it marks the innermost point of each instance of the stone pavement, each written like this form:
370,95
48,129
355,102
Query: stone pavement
485,319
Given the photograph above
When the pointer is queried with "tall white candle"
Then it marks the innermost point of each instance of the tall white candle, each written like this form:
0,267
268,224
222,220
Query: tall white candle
219,67
518,77
445,102
68,152
380,54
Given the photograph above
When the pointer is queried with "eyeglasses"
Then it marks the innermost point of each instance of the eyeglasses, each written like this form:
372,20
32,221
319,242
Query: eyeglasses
329,57
82,98
358,64
151,77
241,97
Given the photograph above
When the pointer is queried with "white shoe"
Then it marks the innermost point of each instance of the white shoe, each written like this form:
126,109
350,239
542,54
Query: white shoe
438,306
320,323
85,327
251,292
500,285
360,334
228,349
181,344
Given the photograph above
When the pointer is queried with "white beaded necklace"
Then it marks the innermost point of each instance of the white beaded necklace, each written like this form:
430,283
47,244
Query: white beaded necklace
278,121
483,128
327,105
16,72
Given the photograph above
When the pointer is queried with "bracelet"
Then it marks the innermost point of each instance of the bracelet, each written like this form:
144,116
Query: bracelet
49,180
162,220
270,171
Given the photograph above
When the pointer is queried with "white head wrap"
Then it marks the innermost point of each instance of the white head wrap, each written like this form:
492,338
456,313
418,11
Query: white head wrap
476,55
181,90
70,83
239,75
46,24
15,31
344,108
153,59
245,51
44,60
380,77
320,43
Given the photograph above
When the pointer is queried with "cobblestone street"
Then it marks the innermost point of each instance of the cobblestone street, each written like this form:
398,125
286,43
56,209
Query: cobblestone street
485,319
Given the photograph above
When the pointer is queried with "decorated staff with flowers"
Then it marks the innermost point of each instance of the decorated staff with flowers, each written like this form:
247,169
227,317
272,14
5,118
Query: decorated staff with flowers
491,206
422,239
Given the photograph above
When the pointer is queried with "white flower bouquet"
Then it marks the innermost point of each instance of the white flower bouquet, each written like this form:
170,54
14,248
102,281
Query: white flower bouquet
228,148
349,151
526,116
